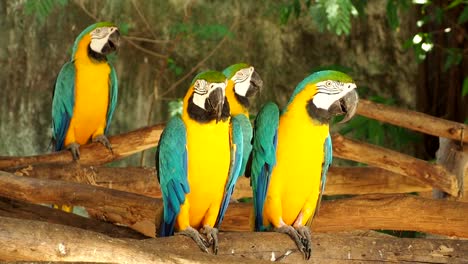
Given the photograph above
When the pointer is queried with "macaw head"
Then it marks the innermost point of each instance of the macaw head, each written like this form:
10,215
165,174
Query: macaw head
207,101
328,94
247,81
101,38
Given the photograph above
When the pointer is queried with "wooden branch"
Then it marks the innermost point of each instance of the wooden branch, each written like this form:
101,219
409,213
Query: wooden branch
455,159
340,180
24,240
432,174
395,212
123,207
23,210
413,120
95,153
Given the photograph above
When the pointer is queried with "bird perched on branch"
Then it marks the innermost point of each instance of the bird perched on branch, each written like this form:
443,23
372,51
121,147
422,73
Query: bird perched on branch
243,82
292,152
198,161
85,93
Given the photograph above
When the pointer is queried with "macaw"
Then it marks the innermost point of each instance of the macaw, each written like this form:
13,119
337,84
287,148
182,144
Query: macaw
292,152
198,161
243,82
85,93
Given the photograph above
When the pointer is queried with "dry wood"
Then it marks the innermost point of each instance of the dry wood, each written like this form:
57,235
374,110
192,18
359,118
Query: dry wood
23,210
413,120
395,212
454,157
38,241
431,174
340,180
123,207
95,153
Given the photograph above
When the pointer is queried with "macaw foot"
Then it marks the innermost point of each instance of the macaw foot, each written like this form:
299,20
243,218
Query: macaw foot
300,237
103,140
197,237
75,150
211,234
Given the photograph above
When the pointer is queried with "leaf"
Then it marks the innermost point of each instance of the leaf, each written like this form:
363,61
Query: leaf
454,57
465,86
439,15
463,16
392,14
454,4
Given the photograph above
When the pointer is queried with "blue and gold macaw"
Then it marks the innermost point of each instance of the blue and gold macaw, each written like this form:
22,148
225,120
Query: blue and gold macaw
292,152
198,160
85,93
243,83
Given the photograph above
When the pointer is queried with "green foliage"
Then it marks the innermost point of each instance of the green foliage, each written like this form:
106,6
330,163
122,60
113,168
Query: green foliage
42,8
175,107
177,70
376,132
333,15
463,18
392,11
454,57
465,86
124,27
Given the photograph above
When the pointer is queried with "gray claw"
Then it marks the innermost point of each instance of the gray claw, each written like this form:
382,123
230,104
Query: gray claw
297,238
306,239
103,140
75,150
212,234
195,235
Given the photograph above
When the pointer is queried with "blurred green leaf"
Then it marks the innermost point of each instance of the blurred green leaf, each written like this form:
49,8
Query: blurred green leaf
454,57
439,15
392,14
463,16
124,27
465,86
454,4
42,8
333,15
175,107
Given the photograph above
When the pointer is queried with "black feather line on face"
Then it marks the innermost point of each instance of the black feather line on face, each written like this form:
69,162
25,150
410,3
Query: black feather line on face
318,114
203,116
243,100
97,57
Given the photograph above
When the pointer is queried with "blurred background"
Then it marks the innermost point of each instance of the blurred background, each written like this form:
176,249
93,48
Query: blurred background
408,53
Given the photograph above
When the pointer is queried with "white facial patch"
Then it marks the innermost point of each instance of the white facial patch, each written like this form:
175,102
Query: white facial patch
329,92
99,38
242,80
202,90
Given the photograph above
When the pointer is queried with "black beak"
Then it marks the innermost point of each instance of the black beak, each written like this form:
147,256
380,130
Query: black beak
114,39
216,102
256,83
346,105
112,43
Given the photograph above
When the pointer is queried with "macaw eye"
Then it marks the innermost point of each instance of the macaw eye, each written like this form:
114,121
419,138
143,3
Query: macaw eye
328,83
98,30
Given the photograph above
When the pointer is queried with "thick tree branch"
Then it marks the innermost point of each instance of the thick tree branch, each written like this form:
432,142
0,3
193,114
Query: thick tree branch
23,210
432,174
340,180
413,120
395,212
24,240
95,153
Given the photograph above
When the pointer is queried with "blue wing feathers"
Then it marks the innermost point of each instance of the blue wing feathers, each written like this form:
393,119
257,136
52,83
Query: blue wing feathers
62,103
263,157
237,161
113,94
171,157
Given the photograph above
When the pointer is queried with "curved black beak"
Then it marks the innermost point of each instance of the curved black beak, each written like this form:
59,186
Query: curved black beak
216,102
256,83
112,43
346,105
